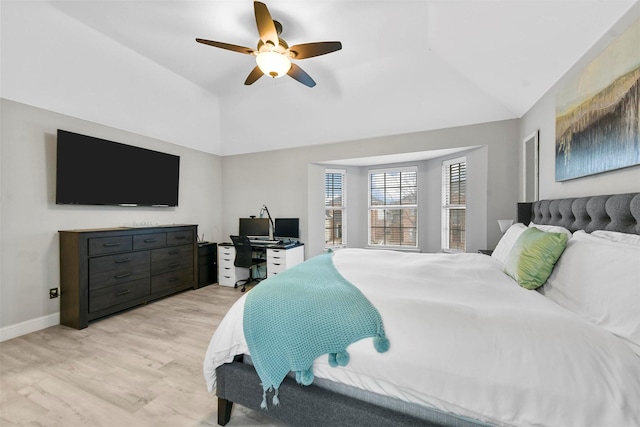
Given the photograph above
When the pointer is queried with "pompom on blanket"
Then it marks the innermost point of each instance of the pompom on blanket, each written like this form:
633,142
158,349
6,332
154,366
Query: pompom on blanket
302,313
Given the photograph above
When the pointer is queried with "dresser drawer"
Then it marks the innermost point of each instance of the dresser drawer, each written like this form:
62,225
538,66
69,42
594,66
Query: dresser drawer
149,241
179,237
172,252
114,295
118,262
109,278
171,259
109,245
172,264
173,280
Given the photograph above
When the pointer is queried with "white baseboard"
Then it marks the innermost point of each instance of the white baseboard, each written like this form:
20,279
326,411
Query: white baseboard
28,326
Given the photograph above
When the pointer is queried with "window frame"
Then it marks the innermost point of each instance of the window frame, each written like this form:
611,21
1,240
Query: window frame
447,207
342,207
370,208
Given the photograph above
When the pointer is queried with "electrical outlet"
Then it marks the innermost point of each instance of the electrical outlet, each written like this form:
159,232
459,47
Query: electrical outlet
54,293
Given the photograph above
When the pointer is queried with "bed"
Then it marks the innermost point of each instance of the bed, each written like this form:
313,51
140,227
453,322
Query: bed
471,344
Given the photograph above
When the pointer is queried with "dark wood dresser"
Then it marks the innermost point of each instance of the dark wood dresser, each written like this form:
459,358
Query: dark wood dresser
103,271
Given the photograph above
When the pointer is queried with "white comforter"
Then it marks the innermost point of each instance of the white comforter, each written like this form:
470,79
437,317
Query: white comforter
466,339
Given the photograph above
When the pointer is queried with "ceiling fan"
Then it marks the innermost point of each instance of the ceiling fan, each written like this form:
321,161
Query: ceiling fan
273,54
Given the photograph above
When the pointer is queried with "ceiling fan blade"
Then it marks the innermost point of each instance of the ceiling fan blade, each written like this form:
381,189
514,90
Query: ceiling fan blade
233,47
300,75
309,50
255,74
266,26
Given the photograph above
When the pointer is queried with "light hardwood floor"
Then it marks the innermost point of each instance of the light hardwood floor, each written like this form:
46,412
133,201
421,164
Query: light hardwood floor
142,367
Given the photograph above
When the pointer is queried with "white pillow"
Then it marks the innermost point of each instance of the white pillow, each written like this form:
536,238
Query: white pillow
599,280
632,239
507,241
552,229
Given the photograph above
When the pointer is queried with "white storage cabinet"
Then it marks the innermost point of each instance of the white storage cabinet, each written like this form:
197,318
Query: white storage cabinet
228,274
278,260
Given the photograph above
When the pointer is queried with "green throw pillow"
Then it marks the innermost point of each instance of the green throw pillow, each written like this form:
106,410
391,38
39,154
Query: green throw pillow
533,256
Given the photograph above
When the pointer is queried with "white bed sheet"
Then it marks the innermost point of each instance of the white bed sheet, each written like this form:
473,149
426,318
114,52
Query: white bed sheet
466,339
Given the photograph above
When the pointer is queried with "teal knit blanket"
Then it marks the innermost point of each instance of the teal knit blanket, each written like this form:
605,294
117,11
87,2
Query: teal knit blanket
302,313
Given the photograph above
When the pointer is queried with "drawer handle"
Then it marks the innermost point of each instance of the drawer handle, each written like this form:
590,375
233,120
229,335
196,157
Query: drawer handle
126,291
121,260
174,252
123,275
180,237
150,240
173,279
175,264
111,244
276,263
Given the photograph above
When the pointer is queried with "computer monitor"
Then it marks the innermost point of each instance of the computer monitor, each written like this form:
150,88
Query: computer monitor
254,227
287,228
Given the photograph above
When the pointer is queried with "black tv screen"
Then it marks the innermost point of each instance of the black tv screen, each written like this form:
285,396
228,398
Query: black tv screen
93,171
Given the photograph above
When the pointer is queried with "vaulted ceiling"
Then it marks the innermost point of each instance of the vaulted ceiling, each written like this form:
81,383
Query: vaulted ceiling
405,65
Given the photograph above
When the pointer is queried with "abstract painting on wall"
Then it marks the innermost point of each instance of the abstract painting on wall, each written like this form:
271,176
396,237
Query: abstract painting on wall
598,113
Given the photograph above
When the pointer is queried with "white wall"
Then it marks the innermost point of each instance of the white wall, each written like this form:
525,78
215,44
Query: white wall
30,219
291,182
542,117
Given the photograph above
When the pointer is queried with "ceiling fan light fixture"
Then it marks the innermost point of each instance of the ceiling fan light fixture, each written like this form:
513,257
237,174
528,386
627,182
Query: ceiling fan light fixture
273,55
273,64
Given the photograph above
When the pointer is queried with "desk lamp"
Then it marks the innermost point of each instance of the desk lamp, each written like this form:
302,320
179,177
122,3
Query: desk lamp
262,211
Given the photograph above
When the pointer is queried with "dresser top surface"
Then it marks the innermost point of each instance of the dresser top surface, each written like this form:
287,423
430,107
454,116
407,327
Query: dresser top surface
129,228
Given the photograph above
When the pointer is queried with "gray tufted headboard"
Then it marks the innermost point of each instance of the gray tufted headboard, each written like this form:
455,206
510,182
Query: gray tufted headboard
617,212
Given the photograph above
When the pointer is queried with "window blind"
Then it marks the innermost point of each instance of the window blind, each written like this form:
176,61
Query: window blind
334,202
393,207
454,189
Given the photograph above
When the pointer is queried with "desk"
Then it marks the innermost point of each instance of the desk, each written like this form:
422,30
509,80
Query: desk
277,257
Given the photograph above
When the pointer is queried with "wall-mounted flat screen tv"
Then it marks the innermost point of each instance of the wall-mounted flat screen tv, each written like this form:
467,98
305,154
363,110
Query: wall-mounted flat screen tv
93,171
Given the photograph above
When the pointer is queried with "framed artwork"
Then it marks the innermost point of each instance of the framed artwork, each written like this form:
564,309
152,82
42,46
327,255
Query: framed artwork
598,113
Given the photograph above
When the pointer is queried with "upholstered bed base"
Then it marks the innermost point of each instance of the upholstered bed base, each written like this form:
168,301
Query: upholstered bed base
302,406
316,406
